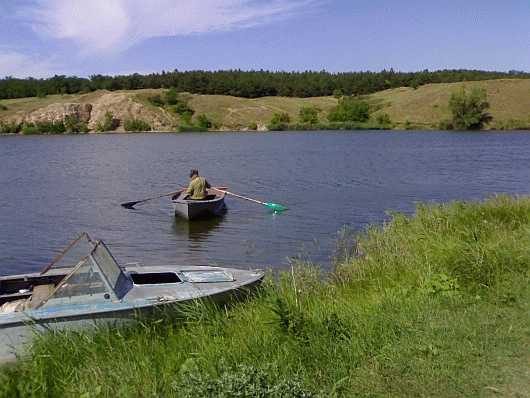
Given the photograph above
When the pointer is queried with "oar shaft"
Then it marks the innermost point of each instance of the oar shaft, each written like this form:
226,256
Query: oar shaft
134,203
240,196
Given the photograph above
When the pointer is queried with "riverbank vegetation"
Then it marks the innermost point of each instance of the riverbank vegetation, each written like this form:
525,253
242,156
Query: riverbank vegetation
425,108
430,305
469,110
351,113
248,84
136,125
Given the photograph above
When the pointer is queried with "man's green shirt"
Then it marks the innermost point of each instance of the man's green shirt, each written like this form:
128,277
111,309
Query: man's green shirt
197,188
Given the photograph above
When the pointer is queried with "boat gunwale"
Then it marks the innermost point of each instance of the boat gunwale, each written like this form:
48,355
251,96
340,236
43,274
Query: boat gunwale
219,195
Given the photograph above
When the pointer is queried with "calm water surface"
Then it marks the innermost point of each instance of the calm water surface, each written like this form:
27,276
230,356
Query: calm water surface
53,188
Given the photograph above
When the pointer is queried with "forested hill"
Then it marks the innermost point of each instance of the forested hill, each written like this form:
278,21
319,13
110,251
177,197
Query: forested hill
248,84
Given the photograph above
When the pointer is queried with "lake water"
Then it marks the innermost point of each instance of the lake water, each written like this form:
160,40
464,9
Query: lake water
54,187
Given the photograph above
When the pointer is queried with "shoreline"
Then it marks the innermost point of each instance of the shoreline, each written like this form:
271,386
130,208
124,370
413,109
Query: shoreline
500,131
388,322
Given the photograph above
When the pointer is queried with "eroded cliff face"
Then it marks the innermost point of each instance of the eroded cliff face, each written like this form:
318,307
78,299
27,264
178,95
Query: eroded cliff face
59,112
92,109
123,107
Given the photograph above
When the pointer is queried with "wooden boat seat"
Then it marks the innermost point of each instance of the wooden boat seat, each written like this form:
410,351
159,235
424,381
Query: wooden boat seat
39,294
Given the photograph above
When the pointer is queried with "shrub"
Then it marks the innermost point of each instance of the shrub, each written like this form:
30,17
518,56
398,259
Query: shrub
3,107
350,110
74,125
188,128
308,114
279,121
172,97
136,125
383,120
469,109
44,128
180,107
30,129
156,100
512,124
10,128
446,125
252,126
338,93
186,118
108,123
203,122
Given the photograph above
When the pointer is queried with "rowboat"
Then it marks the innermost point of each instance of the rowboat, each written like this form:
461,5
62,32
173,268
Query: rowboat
81,289
213,206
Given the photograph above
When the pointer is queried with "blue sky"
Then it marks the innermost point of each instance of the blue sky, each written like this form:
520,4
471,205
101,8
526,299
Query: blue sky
80,37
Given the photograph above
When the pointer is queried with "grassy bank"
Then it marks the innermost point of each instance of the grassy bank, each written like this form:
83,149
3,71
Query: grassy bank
431,305
423,108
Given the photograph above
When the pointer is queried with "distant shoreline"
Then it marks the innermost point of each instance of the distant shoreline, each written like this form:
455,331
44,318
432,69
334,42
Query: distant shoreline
397,131
422,109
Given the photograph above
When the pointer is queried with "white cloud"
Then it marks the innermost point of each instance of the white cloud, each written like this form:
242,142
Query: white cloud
16,64
110,25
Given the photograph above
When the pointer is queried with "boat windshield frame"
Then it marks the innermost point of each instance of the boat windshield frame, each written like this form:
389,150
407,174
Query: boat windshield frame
100,269
83,238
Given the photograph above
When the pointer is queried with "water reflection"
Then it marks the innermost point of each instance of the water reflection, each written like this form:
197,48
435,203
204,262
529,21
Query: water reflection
197,230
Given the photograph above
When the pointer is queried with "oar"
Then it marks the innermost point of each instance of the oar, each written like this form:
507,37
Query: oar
130,205
273,206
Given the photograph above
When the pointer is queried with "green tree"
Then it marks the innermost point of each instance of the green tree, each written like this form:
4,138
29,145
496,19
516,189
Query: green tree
308,114
469,110
350,110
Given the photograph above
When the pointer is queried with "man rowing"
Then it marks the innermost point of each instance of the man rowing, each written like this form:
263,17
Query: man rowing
197,190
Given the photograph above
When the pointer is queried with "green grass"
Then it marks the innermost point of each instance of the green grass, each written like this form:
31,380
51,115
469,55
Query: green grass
431,305
426,106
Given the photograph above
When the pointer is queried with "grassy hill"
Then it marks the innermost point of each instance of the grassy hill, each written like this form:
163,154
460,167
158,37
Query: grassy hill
421,108
428,105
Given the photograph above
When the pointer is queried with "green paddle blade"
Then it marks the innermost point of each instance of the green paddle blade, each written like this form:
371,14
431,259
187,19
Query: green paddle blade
275,207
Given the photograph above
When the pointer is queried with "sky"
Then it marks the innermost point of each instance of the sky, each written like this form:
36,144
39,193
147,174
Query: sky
41,38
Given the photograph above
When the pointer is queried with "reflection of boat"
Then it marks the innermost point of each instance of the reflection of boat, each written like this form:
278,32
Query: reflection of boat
198,229
88,287
213,206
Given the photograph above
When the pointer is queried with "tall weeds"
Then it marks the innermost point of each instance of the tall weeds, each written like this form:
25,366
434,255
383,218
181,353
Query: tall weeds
429,305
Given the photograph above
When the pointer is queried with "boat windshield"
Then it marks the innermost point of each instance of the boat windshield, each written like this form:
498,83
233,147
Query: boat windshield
95,278
72,254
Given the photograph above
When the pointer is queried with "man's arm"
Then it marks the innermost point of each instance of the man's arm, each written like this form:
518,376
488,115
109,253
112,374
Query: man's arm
190,189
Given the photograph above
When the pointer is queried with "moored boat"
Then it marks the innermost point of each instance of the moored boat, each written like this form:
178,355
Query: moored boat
80,291
213,206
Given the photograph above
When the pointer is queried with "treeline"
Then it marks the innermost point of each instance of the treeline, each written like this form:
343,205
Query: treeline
248,84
